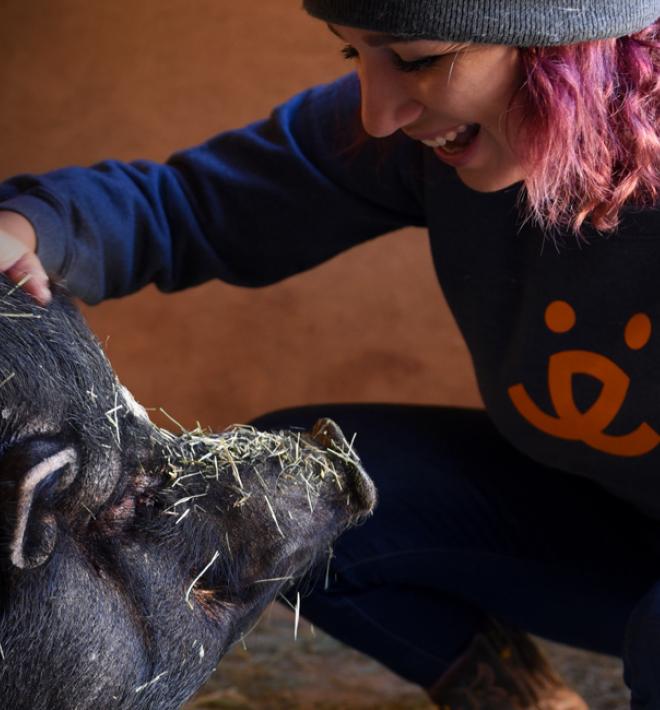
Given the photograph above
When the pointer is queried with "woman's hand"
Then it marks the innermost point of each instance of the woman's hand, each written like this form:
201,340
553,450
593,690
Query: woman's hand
18,243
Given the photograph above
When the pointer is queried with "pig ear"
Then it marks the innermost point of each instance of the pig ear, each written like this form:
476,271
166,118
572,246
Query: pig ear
40,470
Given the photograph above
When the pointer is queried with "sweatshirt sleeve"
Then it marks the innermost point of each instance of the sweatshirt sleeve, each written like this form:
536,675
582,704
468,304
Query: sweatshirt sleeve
250,206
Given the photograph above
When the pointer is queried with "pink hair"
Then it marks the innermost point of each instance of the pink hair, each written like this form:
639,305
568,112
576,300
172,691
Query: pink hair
589,137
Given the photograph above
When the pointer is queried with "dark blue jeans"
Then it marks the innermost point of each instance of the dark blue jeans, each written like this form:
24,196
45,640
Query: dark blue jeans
468,527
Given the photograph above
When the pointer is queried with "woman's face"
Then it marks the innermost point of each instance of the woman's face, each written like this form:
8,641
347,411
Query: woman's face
429,89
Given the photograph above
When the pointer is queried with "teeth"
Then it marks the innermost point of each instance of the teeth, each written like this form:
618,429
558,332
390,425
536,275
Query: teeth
440,141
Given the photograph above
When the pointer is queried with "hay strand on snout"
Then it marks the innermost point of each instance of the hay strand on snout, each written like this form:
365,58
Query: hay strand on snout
16,286
232,464
7,379
183,516
140,688
112,415
281,597
296,617
326,582
4,299
172,419
19,315
273,579
272,512
184,500
199,576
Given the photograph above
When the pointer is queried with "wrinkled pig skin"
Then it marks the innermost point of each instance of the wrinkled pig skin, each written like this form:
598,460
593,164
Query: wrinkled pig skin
131,558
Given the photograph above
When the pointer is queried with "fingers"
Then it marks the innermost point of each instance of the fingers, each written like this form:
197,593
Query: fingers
18,243
11,250
17,258
29,272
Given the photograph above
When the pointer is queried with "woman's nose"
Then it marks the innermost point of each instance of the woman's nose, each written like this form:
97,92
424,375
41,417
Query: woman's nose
386,103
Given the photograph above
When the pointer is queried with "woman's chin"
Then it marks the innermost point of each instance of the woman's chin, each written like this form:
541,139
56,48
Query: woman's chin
485,180
493,167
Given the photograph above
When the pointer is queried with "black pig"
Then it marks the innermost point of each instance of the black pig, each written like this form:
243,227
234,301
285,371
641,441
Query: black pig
131,559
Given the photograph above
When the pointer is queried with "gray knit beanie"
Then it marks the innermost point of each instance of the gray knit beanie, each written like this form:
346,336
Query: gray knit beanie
523,23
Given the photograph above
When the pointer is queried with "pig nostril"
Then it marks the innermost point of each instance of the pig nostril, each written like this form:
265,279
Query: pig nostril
365,489
327,433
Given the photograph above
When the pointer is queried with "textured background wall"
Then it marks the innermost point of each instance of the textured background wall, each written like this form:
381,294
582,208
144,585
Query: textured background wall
84,80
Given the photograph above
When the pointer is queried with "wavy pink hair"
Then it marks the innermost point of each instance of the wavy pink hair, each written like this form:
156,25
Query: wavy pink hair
589,137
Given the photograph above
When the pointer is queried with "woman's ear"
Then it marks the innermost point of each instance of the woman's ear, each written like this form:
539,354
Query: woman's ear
32,475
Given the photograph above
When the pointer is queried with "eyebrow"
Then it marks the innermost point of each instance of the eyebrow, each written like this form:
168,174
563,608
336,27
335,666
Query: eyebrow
377,40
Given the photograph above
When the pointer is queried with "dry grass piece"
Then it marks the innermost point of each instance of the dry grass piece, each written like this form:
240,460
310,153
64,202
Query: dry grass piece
199,576
7,379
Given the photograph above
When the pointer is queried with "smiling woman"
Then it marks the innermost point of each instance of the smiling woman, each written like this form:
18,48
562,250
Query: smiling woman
510,106
435,91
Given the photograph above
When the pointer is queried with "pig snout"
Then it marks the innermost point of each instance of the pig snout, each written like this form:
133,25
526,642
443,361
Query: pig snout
327,434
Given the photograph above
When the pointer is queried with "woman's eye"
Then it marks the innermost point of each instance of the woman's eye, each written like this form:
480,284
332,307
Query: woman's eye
416,64
349,52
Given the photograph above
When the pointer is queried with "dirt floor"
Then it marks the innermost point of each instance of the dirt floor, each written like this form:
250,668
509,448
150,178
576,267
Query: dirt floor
274,672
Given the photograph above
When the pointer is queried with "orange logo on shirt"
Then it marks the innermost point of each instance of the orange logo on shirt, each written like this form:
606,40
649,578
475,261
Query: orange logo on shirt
588,426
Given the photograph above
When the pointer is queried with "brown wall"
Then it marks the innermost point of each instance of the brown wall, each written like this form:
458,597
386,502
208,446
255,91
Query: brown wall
84,80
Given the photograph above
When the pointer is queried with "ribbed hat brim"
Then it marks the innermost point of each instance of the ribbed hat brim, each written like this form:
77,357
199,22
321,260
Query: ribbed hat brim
523,23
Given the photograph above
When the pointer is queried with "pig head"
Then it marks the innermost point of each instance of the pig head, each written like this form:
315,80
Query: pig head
131,558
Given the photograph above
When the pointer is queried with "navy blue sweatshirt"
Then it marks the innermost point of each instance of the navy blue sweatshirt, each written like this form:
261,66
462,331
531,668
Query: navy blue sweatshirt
565,337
